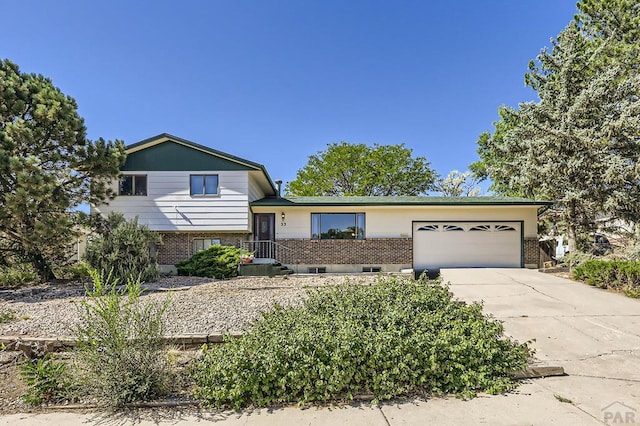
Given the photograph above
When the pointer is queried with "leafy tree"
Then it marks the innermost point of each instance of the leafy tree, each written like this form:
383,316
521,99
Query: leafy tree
357,169
47,167
579,144
458,184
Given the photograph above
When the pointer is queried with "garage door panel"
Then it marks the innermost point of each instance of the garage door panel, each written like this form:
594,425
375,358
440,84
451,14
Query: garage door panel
469,244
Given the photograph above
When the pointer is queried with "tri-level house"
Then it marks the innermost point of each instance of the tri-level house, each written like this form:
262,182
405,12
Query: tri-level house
197,196
193,195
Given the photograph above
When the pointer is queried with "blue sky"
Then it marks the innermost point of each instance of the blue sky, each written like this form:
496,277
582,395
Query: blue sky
275,81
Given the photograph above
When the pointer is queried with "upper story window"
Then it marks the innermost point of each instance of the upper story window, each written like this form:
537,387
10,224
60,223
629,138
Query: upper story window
133,185
337,226
203,185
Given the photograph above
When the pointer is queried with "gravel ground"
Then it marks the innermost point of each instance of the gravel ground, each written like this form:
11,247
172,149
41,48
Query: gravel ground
197,305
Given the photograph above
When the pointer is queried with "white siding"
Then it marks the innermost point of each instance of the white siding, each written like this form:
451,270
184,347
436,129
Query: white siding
396,221
168,205
255,192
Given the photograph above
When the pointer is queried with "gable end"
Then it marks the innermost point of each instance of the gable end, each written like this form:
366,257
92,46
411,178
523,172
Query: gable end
169,155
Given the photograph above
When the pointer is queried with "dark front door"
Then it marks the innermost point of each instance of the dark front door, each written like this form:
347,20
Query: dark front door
264,230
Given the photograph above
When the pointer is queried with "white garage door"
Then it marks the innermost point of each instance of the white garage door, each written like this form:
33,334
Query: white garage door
467,245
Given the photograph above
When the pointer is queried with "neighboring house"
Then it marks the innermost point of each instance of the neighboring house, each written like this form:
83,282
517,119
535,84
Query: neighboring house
196,196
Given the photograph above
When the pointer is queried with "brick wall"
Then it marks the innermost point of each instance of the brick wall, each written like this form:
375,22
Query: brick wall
373,251
177,246
531,251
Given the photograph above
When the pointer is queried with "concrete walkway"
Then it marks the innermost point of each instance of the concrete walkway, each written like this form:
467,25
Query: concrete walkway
593,334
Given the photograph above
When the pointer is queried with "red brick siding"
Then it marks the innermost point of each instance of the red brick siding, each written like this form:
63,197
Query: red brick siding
177,246
375,251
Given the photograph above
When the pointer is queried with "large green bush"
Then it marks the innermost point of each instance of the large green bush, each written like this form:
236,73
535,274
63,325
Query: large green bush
395,337
121,356
621,275
217,261
125,248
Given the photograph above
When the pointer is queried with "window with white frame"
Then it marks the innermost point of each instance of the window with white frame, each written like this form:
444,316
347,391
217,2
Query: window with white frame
133,185
203,185
200,244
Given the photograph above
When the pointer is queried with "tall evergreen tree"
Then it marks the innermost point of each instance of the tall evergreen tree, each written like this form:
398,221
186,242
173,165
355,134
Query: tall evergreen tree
580,143
47,168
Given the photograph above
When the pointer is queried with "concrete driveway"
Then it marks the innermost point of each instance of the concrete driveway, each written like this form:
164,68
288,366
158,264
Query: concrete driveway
593,334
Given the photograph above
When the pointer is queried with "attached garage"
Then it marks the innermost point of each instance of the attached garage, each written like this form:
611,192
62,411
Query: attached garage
451,244
395,233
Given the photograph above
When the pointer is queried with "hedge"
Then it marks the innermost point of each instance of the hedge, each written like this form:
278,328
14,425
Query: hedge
620,275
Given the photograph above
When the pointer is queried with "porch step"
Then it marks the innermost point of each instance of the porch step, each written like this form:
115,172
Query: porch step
263,269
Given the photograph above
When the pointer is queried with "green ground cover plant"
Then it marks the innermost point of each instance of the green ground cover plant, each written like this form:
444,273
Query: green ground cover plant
620,275
395,337
7,315
217,261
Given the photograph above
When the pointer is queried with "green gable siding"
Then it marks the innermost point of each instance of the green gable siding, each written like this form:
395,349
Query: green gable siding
171,156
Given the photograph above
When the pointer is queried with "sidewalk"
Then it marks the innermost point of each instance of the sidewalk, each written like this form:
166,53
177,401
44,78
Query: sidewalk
531,404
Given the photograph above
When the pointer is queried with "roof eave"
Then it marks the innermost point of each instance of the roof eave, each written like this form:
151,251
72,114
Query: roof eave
281,202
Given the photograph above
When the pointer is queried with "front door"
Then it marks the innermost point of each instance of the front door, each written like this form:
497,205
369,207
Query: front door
264,231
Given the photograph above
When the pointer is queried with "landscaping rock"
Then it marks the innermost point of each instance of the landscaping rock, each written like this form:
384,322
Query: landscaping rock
198,306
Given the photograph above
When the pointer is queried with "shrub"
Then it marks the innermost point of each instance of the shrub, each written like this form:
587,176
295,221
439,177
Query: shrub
121,354
395,337
217,261
619,275
17,275
575,259
74,271
124,247
47,380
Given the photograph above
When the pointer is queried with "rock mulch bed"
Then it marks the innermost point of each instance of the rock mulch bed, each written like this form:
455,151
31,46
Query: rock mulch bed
197,305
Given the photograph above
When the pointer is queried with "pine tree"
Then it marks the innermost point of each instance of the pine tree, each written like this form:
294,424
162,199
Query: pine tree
47,168
579,145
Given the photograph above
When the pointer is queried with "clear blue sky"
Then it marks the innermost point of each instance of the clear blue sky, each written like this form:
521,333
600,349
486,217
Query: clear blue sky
275,81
